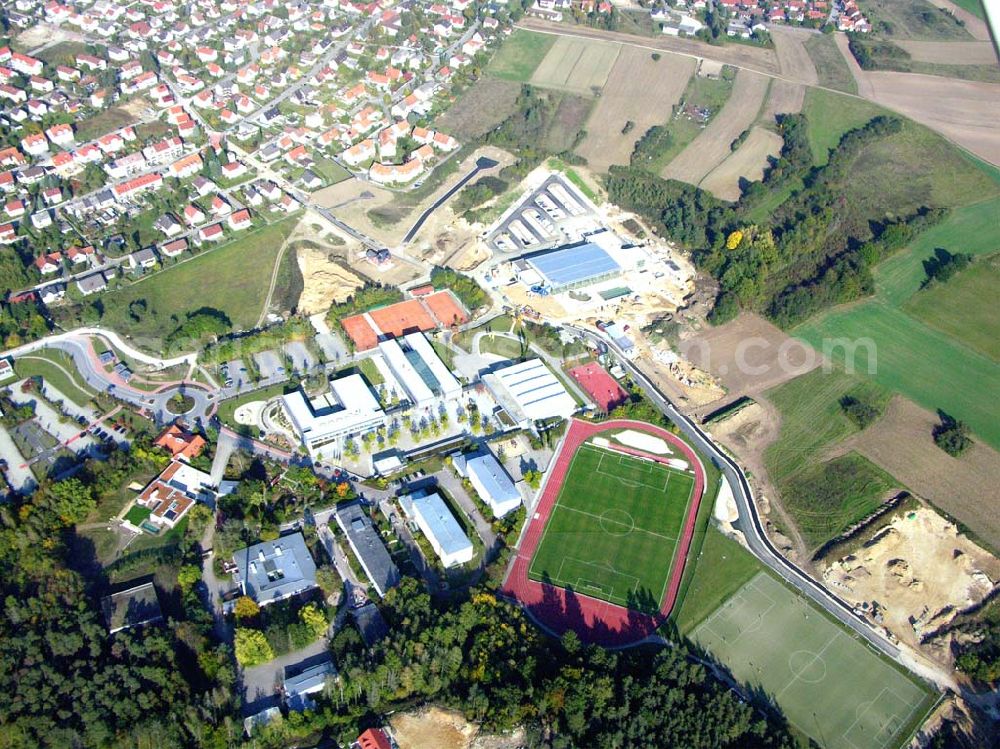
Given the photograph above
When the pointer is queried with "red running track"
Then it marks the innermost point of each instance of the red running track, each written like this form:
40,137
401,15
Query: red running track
595,621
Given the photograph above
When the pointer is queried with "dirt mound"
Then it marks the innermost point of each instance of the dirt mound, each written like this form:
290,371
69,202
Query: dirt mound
446,729
915,574
324,281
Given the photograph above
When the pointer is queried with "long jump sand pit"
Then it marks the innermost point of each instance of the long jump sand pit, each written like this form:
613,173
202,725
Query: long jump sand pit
576,65
640,90
918,568
966,112
901,444
749,354
712,145
951,53
748,162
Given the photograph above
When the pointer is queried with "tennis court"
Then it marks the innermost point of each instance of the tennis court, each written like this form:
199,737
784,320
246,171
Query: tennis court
614,528
830,684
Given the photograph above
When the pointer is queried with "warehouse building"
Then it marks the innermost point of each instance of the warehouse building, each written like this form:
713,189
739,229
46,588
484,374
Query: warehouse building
348,409
568,268
432,516
491,482
530,392
418,369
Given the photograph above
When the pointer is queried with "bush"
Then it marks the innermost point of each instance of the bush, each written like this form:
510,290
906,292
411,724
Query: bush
861,412
245,608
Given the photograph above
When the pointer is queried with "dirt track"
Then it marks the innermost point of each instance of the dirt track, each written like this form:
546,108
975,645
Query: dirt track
712,145
640,90
951,53
749,162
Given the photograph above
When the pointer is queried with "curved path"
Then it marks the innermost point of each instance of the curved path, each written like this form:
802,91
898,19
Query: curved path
595,621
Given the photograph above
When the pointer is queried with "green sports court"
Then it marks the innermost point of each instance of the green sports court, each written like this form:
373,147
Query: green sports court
830,684
613,531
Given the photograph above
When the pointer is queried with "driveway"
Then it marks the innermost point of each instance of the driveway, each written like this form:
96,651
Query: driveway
260,682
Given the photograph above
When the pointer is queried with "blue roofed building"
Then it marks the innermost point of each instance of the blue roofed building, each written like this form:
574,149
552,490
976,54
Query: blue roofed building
572,267
432,516
491,482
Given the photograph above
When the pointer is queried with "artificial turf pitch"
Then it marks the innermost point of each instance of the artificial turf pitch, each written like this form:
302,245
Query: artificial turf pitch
614,528
829,683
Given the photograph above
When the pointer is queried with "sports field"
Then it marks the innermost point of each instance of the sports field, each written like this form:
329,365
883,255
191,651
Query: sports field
614,528
832,687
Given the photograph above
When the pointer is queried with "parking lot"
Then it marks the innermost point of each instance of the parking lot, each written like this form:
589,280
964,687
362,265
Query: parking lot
545,218
269,364
302,359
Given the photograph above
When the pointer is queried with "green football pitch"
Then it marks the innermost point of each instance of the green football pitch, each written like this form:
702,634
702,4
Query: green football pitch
830,684
614,528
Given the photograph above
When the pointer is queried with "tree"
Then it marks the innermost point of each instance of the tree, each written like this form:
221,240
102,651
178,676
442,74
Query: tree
71,500
188,576
533,478
328,579
952,435
314,619
252,648
246,608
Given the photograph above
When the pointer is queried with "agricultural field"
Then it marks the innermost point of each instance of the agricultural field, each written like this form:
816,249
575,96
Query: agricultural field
783,97
923,364
233,279
961,309
830,116
746,163
614,528
971,61
712,145
830,65
701,103
517,59
568,120
829,684
793,57
480,108
914,19
639,90
576,65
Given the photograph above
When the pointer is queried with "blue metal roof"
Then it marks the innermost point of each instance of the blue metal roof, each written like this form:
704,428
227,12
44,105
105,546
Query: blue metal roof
570,265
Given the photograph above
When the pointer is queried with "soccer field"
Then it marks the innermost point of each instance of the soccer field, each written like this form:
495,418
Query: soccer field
614,528
830,685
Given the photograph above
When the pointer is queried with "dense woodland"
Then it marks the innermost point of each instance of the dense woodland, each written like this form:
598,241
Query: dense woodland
814,250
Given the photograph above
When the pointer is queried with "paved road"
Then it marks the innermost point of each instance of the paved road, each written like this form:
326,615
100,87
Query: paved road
482,164
749,519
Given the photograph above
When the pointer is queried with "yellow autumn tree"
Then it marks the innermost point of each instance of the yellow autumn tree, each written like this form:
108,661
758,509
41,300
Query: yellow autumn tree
734,239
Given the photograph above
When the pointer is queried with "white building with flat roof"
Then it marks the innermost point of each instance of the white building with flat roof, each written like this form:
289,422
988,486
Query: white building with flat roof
418,369
348,409
534,391
436,522
494,486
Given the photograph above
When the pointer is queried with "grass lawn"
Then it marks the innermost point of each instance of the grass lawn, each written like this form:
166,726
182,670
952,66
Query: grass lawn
975,7
517,59
228,407
962,307
923,364
330,170
970,229
830,63
829,684
812,418
102,122
463,339
824,498
163,538
722,567
614,528
501,346
916,19
104,542
830,116
57,369
137,515
233,278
